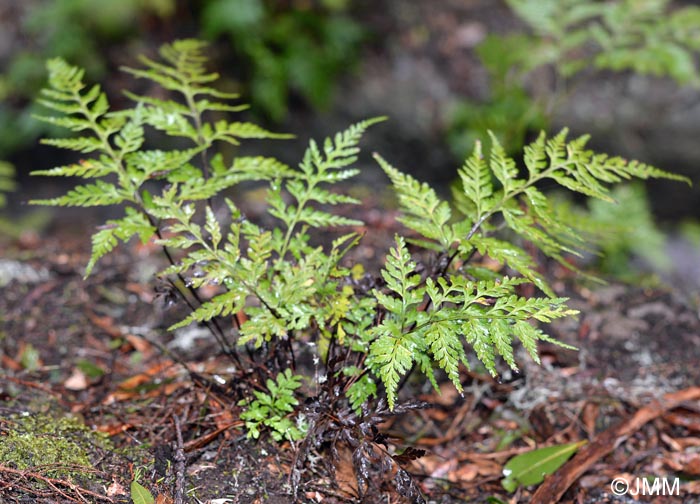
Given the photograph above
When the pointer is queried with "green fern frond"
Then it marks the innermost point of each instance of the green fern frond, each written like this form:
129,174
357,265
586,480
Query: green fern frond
447,351
231,132
305,186
259,168
525,210
84,169
391,357
395,350
399,275
79,144
98,194
424,211
185,66
478,187
507,253
228,303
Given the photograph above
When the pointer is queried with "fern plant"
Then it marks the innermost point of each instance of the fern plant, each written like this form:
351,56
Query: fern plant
569,37
289,288
271,409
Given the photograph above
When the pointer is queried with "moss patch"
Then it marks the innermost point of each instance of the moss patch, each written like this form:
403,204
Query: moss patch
53,447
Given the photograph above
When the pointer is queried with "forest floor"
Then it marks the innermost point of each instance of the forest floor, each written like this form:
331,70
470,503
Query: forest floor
97,350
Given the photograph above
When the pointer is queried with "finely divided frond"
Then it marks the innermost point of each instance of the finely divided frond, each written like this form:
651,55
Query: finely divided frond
424,211
228,303
104,241
476,184
391,357
98,194
399,275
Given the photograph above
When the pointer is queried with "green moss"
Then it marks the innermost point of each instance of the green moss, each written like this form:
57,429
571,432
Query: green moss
57,448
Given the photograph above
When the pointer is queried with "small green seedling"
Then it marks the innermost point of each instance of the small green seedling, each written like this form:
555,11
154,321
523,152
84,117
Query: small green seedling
530,468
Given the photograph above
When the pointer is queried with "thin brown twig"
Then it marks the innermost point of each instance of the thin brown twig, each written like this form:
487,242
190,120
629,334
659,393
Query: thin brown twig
180,460
55,483
557,484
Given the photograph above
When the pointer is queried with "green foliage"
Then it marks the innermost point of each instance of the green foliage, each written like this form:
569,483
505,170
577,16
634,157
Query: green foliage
272,409
487,313
624,229
55,448
78,30
509,110
7,182
647,37
140,494
300,49
279,48
294,291
531,467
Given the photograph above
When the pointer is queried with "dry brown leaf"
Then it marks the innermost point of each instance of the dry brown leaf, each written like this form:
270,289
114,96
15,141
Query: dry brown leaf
670,442
692,467
164,499
116,489
464,473
76,381
105,323
140,344
689,420
114,429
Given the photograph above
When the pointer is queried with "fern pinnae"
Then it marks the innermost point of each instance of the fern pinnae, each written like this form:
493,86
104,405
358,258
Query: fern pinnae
424,212
319,168
289,289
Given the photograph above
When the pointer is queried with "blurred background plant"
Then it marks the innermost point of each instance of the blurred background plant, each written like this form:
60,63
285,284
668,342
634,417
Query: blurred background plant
7,182
280,50
630,241
288,48
531,73
79,30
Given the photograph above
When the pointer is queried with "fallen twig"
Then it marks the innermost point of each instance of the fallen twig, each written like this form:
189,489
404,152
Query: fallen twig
555,485
56,484
180,467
